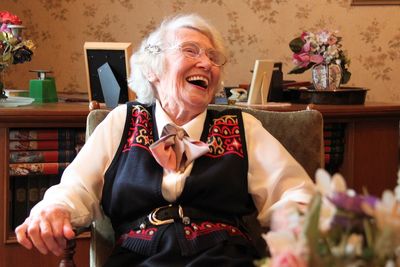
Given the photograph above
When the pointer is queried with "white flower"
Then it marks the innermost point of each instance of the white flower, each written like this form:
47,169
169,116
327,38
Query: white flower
328,185
323,37
281,241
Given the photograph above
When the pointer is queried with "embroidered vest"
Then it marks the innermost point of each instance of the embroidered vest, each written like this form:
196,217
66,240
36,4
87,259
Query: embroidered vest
217,183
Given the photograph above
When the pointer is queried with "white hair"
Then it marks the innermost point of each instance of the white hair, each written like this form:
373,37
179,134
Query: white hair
148,59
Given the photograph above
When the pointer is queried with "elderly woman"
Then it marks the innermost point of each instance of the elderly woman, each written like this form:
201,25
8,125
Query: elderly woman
174,178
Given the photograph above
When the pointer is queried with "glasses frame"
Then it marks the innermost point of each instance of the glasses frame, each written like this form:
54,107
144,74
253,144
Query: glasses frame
201,50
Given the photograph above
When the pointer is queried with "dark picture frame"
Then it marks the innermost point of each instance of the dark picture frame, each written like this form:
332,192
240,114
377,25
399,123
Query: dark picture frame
117,55
374,2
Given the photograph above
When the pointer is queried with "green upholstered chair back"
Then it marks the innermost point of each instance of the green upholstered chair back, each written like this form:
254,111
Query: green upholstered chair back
102,233
301,132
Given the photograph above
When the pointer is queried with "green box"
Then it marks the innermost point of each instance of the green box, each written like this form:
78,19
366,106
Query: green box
43,91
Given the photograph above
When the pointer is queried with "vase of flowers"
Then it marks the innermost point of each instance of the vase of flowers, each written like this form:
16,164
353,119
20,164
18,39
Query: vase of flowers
338,228
326,76
13,49
321,51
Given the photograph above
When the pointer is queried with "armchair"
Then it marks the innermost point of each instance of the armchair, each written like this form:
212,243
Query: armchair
300,132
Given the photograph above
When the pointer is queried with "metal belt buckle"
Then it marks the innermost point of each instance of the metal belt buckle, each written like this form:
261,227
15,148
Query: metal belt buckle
185,219
153,216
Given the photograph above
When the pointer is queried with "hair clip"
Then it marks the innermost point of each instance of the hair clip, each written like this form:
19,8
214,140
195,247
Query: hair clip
152,49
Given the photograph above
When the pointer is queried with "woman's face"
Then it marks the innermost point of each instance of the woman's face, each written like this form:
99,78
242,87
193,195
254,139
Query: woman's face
188,84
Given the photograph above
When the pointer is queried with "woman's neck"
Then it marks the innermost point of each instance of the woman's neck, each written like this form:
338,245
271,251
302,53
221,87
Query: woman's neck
180,116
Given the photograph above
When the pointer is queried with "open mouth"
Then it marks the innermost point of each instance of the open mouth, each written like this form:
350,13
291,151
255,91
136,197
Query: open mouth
198,81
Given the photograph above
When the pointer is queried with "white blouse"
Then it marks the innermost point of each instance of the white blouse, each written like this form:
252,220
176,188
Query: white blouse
274,176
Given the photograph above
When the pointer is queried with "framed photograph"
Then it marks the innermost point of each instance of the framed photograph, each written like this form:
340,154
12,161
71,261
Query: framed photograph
115,57
260,82
374,2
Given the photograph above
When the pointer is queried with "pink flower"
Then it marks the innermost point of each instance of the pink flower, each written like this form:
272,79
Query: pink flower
9,18
288,259
306,47
3,28
304,35
301,59
316,59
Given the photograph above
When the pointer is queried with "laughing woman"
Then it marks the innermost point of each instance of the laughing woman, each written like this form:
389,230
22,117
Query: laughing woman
174,178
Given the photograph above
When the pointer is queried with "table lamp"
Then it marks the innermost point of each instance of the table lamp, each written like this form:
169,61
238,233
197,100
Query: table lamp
43,89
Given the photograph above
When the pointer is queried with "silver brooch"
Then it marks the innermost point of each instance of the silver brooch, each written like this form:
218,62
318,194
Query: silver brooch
152,49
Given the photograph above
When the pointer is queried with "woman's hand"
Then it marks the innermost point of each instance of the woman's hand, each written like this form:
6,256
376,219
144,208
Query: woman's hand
47,230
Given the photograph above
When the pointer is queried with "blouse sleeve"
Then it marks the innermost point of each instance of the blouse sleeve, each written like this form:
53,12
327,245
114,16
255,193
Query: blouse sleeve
82,182
274,176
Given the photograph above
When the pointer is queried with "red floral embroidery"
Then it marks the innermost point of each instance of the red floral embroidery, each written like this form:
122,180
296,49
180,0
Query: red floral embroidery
140,131
145,234
224,137
195,230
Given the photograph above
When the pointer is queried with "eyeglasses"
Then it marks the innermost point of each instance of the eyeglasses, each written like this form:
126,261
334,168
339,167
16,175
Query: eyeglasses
193,50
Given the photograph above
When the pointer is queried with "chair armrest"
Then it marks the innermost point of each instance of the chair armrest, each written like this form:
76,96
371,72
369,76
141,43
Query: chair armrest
67,259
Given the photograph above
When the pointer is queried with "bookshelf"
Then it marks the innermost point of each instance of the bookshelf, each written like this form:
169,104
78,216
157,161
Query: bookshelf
38,157
53,117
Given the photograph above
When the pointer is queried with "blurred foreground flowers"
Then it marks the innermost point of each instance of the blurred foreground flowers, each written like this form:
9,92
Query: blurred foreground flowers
339,228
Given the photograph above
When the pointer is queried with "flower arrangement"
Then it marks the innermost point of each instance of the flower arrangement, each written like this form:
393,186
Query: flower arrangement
13,49
316,48
339,228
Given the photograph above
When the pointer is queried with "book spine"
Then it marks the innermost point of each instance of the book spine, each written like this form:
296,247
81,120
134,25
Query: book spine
32,192
333,158
42,134
334,149
42,145
334,126
54,179
29,156
334,142
333,134
80,137
23,169
19,200
43,185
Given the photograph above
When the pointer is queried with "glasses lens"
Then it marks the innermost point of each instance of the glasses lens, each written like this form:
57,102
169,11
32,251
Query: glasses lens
190,50
216,57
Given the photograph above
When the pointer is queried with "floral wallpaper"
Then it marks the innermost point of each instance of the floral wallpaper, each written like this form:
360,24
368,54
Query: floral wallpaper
252,29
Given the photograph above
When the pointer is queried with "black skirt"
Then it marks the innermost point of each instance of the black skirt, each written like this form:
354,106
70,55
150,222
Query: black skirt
169,253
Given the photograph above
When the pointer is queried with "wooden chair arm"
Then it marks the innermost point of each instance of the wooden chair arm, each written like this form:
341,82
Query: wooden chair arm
67,259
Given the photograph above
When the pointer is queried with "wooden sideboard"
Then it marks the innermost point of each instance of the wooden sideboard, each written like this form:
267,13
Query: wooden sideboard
371,157
59,115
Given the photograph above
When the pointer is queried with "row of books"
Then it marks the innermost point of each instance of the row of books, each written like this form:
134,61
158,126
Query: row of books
26,191
334,142
38,157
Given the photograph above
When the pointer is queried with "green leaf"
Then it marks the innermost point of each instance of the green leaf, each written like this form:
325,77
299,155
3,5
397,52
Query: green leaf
2,36
296,44
345,76
299,70
7,57
369,232
311,229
